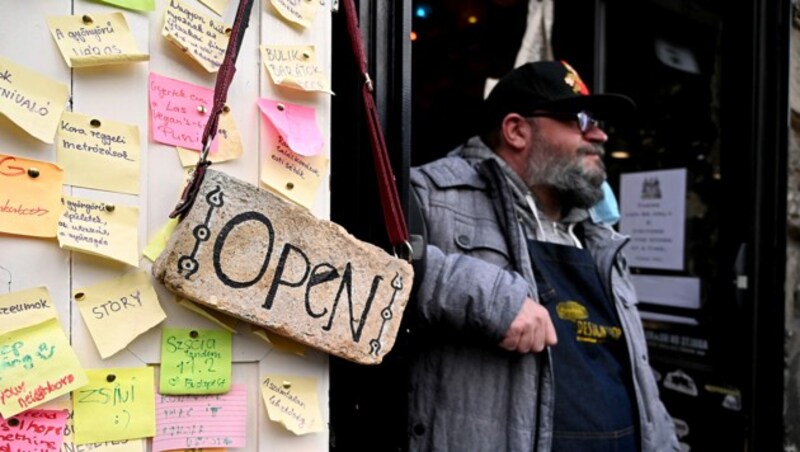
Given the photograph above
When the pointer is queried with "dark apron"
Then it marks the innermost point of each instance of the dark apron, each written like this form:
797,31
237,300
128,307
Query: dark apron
594,405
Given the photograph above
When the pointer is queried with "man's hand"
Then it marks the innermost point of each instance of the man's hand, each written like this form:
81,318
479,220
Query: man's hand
531,331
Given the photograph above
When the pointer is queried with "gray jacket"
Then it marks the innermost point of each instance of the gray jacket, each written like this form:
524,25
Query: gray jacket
467,393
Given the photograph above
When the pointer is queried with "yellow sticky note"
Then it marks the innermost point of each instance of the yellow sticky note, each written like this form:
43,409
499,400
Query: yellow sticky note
159,240
116,312
195,361
124,445
218,6
99,153
297,177
225,322
300,12
30,100
99,228
116,404
202,37
295,67
292,401
137,5
37,363
95,39
30,196
279,342
229,143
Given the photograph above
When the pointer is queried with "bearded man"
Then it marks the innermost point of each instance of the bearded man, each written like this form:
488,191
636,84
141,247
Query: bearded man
527,333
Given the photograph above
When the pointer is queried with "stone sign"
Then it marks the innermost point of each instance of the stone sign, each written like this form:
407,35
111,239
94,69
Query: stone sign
247,252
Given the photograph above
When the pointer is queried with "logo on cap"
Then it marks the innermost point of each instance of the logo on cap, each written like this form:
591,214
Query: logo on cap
574,80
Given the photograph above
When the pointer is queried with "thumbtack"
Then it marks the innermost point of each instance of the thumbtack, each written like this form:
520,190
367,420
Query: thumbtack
228,31
201,109
287,384
110,378
95,123
87,19
110,207
226,109
306,55
13,422
193,334
289,185
80,296
33,172
281,107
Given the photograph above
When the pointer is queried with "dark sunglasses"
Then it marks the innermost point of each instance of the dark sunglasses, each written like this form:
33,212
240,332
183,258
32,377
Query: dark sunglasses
584,118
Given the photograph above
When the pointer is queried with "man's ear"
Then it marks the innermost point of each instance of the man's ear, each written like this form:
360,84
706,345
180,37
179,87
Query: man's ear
515,131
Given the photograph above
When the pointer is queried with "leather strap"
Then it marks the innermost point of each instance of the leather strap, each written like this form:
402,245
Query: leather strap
224,78
392,210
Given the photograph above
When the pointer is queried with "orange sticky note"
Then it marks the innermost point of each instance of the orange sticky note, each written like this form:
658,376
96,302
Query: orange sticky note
30,196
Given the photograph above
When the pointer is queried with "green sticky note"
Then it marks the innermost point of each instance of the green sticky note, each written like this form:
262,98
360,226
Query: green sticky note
137,5
117,404
195,361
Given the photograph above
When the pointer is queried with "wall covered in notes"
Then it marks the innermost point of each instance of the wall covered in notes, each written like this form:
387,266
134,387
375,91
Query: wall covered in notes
103,104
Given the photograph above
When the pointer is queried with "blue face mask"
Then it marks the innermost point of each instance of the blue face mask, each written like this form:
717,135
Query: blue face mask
606,211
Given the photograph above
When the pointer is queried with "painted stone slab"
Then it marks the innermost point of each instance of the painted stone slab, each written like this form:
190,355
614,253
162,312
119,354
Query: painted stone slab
247,252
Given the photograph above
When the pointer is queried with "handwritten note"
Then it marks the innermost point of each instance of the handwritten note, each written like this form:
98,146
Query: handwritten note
116,404
33,430
95,39
179,112
155,246
218,6
137,5
37,363
201,421
195,361
99,153
292,400
300,12
30,196
100,228
118,311
295,176
295,67
228,140
222,320
30,100
296,123
123,445
202,37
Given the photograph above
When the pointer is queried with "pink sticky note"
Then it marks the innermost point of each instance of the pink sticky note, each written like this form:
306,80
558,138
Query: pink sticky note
186,422
40,430
296,123
179,112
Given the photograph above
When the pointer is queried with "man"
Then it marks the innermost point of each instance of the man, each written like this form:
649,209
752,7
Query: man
529,336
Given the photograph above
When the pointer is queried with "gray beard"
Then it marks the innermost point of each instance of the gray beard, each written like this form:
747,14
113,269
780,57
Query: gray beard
575,185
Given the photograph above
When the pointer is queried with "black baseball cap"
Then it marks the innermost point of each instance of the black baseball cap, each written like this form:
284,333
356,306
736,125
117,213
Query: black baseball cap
549,86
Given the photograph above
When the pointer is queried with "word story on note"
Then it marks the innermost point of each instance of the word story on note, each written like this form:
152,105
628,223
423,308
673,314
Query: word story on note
100,228
96,39
116,404
292,401
37,363
184,422
201,36
30,196
33,430
119,310
195,361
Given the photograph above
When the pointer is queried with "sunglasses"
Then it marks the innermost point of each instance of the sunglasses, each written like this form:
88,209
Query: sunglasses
584,118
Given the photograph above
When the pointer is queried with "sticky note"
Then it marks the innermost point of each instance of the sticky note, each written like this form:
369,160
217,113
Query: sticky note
200,36
30,100
195,361
228,140
292,401
279,343
99,153
218,6
136,5
295,176
118,311
40,430
296,124
116,404
300,12
295,67
122,445
30,196
37,363
159,240
100,228
179,112
95,39
201,421
222,320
